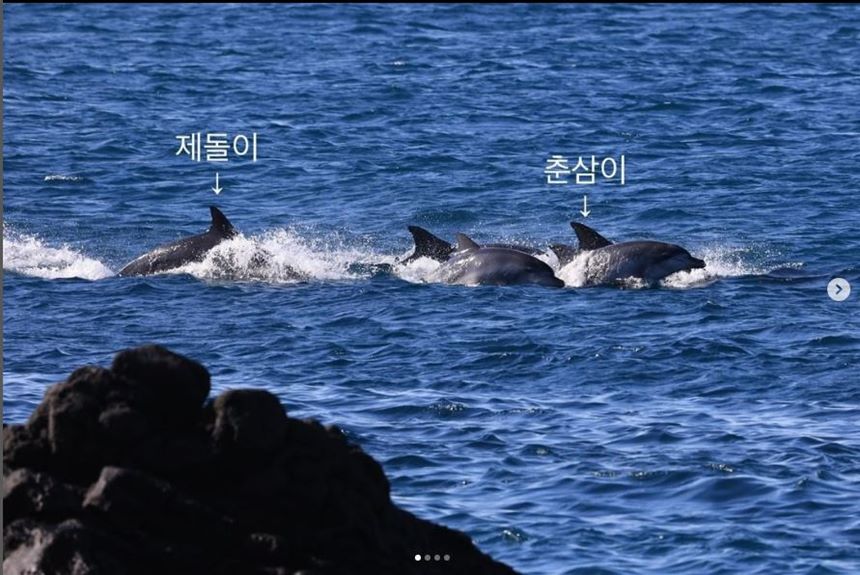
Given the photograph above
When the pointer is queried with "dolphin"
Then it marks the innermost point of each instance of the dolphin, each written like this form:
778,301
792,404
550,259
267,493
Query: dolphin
429,246
176,254
472,264
651,261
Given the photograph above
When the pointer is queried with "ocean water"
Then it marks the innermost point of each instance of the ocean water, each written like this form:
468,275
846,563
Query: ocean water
710,424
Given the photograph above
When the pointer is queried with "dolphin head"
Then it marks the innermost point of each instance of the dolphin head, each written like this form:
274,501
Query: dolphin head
697,264
675,259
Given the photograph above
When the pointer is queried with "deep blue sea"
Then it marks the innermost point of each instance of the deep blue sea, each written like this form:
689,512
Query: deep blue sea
710,424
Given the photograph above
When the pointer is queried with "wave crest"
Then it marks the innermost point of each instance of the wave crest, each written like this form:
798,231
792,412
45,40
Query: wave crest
29,255
284,256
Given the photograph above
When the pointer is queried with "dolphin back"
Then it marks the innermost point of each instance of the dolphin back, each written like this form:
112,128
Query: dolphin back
498,266
180,252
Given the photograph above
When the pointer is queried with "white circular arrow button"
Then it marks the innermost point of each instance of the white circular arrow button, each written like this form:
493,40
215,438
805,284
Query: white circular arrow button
839,289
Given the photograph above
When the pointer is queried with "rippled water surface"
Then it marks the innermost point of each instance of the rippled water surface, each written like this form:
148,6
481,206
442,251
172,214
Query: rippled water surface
710,424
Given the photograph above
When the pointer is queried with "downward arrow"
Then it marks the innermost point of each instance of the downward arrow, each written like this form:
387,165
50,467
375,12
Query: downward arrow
217,189
585,211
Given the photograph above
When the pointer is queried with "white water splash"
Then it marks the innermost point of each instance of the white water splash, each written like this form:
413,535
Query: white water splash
29,255
420,270
725,262
284,256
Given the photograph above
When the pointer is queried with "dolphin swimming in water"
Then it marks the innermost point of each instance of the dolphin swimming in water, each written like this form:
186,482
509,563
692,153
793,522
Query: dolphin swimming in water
183,251
609,263
471,264
429,246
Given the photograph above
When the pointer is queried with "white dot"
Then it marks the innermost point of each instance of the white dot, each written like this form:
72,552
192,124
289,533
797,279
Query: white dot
418,557
436,557
446,557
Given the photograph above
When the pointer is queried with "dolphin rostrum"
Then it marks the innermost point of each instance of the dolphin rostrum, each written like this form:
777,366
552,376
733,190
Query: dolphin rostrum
472,264
190,249
608,262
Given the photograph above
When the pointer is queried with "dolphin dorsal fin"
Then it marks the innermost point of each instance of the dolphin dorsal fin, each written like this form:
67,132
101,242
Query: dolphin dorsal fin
588,238
564,253
465,243
220,223
429,246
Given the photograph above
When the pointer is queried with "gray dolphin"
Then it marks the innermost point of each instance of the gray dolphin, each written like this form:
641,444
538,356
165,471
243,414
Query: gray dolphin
648,260
176,254
429,246
472,264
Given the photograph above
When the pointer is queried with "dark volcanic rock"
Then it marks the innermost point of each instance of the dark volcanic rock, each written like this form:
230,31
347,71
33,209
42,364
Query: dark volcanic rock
134,500
128,470
28,494
162,384
248,421
68,547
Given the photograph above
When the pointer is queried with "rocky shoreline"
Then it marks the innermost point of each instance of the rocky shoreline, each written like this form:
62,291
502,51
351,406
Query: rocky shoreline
132,470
